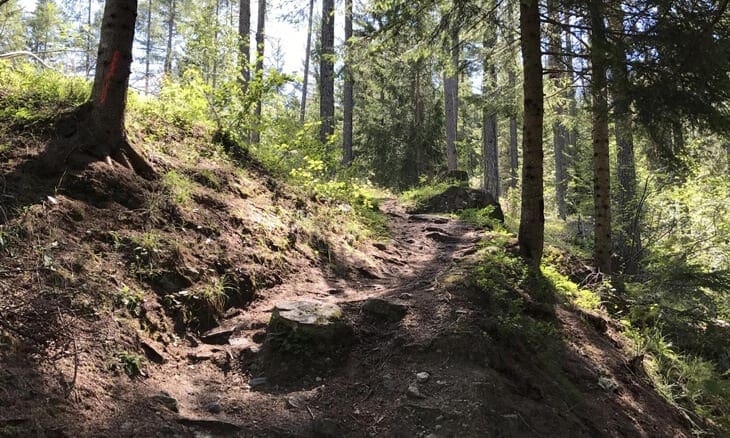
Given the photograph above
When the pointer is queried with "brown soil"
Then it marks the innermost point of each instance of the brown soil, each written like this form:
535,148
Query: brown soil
71,243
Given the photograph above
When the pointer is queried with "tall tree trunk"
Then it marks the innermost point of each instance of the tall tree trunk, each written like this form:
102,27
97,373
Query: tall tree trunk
88,40
327,72
513,151
170,34
214,46
490,155
244,34
451,99
260,28
532,218
349,86
148,49
559,129
601,163
627,238
512,84
97,127
307,56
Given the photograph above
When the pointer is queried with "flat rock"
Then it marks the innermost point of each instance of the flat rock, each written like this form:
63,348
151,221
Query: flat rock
166,400
214,424
218,335
443,238
383,309
152,352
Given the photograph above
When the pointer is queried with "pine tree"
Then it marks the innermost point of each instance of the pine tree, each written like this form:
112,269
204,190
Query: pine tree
327,72
532,218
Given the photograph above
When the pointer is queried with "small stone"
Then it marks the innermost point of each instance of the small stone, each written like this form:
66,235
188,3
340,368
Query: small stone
296,401
406,296
152,352
422,377
218,335
380,245
257,381
214,408
414,392
166,400
383,309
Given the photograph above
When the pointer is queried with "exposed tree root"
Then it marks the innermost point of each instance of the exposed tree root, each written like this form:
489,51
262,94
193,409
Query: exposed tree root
80,141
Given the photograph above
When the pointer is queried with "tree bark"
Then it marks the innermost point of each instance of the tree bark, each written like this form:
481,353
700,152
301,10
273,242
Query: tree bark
260,29
327,72
148,49
627,238
348,91
532,219
601,163
490,155
244,34
560,132
98,126
167,68
512,84
451,100
307,56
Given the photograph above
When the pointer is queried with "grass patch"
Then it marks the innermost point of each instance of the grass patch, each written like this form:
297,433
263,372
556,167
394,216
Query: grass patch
411,198
179,186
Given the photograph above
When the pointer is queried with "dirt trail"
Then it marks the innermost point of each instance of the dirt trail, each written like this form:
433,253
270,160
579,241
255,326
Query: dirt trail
440,371
433,374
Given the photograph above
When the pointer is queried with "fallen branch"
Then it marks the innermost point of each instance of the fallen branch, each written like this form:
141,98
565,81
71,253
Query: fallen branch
18,54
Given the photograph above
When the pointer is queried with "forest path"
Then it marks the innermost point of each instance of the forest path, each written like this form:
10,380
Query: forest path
365,396
448,367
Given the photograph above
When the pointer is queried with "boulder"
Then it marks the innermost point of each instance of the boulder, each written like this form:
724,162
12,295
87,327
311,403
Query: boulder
457,198
310,320
305,338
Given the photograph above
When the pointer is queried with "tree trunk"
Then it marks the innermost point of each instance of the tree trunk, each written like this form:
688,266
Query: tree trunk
532,219
348,89
601,164
148,49
260,28
327,72
307,55
88,40
451,100
559,130
490,155
627,238
244,34
512,84
97,127
170,34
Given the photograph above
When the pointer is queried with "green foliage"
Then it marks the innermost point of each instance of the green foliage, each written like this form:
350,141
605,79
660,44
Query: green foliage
179,186
414,196
28,94
481,218
130,299
130,363
688,381
585,299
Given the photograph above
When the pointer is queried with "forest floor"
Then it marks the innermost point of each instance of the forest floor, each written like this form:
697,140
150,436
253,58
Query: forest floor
83,354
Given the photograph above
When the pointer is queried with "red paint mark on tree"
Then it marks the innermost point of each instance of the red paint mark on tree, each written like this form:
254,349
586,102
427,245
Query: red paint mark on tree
110,75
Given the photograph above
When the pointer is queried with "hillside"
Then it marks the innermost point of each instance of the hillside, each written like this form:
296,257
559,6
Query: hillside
133,307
